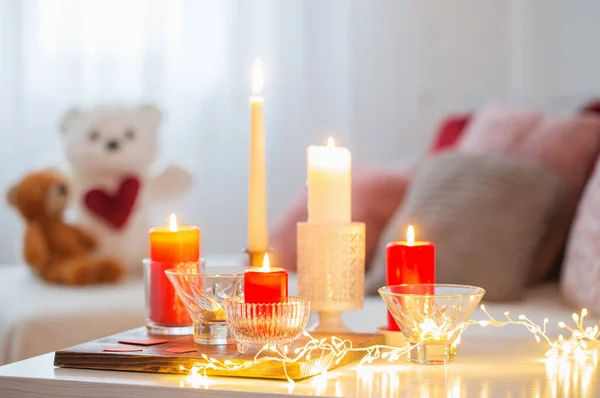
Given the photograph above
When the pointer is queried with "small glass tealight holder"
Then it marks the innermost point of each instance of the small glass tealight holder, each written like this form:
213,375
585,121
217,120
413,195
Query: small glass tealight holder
274,324
203,293
165,312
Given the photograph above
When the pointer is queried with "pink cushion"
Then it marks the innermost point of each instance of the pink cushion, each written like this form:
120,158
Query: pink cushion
580,279
376,194
499,129
567,144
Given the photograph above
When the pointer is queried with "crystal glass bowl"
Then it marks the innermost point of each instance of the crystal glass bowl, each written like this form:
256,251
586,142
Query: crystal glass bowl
276,323
203,292
431,317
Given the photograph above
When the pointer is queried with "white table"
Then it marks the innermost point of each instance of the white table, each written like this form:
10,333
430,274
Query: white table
484,368
491,362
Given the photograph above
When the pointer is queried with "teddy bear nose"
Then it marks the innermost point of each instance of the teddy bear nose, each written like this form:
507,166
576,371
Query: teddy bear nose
62,189
112,145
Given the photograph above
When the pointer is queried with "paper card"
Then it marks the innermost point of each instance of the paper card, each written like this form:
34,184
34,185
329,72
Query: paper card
122,349
181,350
144,342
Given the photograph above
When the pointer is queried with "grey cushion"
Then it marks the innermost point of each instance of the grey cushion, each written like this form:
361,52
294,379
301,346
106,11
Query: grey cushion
485,214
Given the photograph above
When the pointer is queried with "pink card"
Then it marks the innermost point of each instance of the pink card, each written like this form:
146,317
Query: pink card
122,349
145,342
181,350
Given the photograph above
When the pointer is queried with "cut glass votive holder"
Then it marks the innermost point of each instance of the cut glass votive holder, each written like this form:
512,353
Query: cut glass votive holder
259,324
165,312
431,317
203,292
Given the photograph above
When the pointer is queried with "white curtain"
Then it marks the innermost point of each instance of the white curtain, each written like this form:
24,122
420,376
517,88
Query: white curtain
376,75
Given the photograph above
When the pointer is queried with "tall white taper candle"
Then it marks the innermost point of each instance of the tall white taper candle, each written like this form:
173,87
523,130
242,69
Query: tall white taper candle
258,235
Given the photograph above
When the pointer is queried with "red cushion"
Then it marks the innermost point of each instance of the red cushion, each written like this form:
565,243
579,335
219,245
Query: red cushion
592,106
449,132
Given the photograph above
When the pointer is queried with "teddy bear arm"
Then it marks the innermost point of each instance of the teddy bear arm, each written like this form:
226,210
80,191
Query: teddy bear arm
170,183
35,247
85,237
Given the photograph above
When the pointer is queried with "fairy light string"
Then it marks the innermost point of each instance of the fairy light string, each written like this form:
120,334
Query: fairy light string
581,345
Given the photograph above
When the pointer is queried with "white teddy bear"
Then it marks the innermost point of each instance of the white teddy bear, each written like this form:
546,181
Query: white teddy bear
110,151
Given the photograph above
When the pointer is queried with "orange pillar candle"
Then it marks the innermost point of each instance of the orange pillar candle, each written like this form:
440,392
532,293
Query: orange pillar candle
169,247
265,285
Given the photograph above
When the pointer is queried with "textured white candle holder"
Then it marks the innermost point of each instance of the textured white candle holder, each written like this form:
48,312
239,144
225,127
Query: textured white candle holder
331,270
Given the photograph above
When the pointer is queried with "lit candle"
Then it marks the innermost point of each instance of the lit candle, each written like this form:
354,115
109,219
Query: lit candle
169,247
265,284
258,238
409,262
329,185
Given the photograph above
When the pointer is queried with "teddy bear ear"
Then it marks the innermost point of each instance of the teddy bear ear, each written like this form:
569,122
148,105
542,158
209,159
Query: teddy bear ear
11,196
68,118
152,113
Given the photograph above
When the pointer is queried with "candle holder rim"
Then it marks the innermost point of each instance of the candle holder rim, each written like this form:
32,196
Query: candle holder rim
248,251
475,290
186,271
291,300
332,225
148,261
416,243
180,228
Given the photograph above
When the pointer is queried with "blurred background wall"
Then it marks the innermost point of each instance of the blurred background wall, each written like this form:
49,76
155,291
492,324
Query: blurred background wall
376,75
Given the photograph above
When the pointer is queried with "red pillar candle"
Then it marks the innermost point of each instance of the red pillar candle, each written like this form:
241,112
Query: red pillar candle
265,284
169,247
409,262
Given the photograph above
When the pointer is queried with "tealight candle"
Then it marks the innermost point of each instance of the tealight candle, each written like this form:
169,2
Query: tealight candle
265,285
409,262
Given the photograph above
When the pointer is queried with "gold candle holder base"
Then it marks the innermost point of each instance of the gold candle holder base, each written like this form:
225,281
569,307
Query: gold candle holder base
255,259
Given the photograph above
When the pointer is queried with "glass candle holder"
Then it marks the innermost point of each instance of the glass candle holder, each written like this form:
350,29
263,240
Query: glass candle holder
331,271
203,293
165,312
430,316
274,323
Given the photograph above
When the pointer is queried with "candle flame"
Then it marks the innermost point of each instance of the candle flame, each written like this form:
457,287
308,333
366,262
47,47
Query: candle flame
330,142
172,223
410,235
266,264
257,77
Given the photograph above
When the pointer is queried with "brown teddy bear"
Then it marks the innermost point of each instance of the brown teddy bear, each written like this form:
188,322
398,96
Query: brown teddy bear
56,251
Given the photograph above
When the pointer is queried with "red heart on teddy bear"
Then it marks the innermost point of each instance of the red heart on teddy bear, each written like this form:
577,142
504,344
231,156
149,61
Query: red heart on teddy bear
114,209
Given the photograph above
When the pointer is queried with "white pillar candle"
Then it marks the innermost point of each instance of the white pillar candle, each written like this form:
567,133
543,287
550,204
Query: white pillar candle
329,185
258,235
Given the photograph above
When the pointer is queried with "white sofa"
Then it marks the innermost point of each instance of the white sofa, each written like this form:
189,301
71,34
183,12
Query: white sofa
36,317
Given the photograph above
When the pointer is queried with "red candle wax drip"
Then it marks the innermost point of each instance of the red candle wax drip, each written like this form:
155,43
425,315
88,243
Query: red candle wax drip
265,285
409,262
169,247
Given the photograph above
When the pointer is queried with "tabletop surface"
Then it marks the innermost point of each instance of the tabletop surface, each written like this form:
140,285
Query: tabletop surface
491,362
484,367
